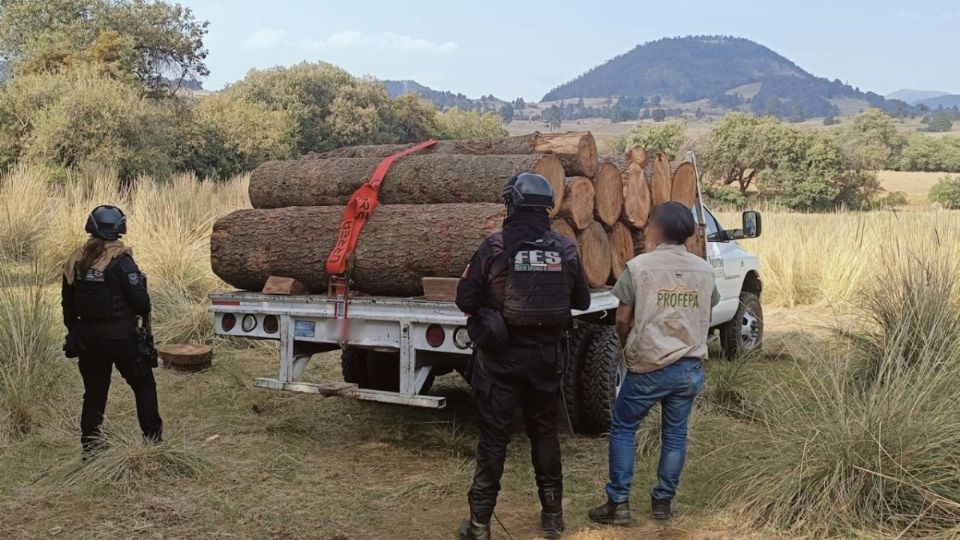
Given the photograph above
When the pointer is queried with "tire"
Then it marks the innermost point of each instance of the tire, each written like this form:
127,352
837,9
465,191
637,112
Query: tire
600,378
383,372
744,333
580,337
353,366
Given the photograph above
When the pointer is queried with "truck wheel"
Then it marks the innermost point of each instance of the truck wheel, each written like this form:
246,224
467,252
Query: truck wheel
600,380
744,333
383,372
353,366
579,339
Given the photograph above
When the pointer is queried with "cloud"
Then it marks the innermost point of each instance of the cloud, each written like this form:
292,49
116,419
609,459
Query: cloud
265,38
385,41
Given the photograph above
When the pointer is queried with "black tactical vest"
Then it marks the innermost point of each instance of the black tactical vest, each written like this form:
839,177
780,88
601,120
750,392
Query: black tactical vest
99,297
537,291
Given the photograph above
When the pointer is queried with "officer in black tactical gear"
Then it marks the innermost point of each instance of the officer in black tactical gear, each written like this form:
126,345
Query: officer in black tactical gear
103,293
518,291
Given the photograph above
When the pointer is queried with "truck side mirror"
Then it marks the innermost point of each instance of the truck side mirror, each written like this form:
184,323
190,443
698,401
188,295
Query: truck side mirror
752,226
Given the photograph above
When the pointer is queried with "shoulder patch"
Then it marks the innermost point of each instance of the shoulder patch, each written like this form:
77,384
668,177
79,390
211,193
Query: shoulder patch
134,278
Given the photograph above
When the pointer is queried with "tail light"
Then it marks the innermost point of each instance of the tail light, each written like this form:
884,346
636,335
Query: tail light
435,335
228,321
461,338
271,324
249,323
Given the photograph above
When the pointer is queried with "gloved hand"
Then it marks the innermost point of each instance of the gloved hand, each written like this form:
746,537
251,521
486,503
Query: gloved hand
71,344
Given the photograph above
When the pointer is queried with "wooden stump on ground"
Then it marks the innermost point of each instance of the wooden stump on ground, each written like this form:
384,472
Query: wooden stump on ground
185,357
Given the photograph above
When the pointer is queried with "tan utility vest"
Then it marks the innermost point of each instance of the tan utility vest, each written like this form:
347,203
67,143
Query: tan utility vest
671,313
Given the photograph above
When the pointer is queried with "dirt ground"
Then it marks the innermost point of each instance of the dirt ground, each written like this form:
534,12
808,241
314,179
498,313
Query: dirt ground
285,465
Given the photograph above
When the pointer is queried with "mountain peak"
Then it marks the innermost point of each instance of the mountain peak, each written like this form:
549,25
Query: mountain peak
725,69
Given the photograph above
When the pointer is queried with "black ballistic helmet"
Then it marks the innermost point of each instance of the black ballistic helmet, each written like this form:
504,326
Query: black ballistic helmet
107,222
528,190
676,221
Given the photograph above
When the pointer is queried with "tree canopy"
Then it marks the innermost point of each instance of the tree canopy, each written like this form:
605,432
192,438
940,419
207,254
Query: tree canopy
159,44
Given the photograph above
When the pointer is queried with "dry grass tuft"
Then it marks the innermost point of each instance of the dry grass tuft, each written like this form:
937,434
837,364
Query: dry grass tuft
127,462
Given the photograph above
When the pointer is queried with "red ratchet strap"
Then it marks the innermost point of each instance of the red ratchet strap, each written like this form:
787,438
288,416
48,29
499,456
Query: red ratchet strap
359,208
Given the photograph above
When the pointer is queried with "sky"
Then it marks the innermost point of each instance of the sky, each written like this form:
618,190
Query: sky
524,48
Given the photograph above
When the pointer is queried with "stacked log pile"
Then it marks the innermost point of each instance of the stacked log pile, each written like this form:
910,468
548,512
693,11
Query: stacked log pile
436,207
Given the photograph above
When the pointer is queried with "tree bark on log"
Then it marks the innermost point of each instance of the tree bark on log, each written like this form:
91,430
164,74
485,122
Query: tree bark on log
661,179
399,245
578,201
684,186
595,254
608,189
416,179
576,149
621,250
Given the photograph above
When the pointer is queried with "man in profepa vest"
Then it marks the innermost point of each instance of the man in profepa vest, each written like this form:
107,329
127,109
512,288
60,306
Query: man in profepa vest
518,290
666,298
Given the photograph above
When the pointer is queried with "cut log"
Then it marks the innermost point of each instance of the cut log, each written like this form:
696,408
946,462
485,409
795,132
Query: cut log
400,245
578,201
608,189
636,196
284,286
660,179
638,155
577,149
595,254
560,226
621,250
639,241
440,289
416,179
684,187
186,357
695,244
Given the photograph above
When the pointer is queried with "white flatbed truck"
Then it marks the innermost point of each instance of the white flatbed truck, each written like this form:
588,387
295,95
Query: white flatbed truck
393,347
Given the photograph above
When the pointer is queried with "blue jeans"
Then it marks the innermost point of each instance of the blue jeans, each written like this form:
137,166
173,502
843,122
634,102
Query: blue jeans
675,387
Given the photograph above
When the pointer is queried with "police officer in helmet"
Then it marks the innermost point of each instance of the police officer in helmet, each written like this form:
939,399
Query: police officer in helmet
103,293
518,292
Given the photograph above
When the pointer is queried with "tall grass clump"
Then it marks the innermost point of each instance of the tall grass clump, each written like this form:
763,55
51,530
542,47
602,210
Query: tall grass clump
24,203
169,224
127,461
31,361
851,451
810,259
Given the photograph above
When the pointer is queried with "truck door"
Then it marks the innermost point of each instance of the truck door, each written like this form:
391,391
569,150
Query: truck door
722,255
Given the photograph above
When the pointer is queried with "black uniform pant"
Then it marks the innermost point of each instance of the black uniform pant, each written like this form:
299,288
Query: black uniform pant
96,363
528,378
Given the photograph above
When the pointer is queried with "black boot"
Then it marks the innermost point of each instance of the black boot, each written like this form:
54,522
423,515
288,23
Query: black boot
611,513
660,509
474,530
551,524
